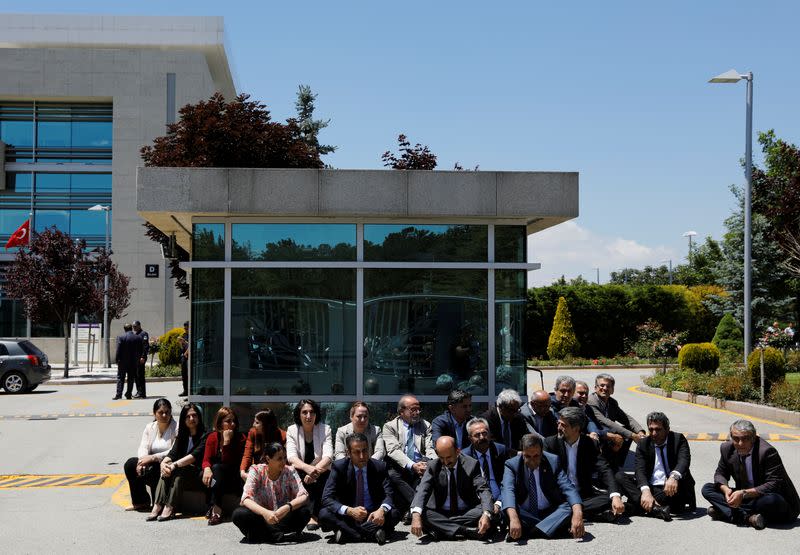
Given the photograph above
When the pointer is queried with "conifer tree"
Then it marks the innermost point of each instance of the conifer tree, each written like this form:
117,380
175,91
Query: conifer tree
563,343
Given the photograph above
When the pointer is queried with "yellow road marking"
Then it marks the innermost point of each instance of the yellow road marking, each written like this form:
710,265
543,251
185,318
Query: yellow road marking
637,389
702,437
21,481
120,403
82,403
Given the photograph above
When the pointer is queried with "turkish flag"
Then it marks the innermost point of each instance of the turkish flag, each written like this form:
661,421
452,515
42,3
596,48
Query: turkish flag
20,236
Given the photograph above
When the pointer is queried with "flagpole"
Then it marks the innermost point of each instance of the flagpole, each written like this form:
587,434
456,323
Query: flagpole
31,227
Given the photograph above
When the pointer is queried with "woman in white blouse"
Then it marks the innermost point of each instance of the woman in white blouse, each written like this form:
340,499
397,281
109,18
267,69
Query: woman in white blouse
309,450
144,469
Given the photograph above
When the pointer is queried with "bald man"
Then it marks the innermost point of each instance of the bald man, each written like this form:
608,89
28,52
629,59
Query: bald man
452,500
538,415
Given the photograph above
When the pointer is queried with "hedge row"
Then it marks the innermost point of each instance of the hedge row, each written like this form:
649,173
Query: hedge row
604,316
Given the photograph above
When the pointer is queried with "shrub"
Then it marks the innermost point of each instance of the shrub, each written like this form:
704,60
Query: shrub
702,357
562,342
774,368
164,371
793,362
728,337
785,395
170,349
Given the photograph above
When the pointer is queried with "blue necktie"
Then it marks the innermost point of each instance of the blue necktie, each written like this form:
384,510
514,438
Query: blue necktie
533,495
410,443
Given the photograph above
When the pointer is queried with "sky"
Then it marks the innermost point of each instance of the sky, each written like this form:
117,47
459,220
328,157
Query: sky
617,91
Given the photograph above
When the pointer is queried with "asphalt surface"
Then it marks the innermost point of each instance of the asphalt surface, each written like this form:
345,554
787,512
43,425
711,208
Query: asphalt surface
66,430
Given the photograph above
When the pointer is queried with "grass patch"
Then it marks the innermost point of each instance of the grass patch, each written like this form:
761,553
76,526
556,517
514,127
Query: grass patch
793,378
163,371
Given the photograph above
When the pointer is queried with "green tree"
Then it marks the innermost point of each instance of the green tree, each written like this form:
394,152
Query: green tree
310,127
563,343
418,157
728,337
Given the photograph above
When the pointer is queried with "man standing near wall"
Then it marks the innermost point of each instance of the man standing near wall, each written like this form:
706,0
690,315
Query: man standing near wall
129,349
141,387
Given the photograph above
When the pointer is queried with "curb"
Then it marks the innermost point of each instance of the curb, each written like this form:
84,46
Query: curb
85,380
765,412
601,367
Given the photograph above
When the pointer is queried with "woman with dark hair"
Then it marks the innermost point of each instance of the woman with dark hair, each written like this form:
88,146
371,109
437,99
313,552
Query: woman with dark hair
265,430
274,501
310,451
221,460
181,465
144,469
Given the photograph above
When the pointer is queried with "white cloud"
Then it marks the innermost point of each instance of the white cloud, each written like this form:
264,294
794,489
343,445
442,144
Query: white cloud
571,250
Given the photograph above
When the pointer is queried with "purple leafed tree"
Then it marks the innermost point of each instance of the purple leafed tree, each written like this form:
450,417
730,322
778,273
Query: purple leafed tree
418,157
55,277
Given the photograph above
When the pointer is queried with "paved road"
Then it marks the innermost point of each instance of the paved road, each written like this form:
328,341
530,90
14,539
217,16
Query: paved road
88,518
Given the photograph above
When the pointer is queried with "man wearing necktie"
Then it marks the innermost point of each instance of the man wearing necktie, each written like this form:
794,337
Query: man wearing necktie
357,500
763,493
506,424
452,499
539,418
619,429
454,420
491,457
408,449
538,498
663,483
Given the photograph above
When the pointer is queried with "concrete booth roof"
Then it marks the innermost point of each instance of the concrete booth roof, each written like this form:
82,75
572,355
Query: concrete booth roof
169,198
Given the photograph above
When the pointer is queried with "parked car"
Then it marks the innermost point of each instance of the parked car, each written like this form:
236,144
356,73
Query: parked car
22,366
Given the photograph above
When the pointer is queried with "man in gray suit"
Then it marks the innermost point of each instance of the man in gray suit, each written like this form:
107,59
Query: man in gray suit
620,428
408,449
359,423
452,499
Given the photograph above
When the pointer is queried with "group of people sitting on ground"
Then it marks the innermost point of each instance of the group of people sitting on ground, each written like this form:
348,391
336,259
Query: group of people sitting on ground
537,470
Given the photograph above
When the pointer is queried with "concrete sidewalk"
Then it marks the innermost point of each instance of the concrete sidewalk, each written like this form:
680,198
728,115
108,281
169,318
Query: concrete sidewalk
81,375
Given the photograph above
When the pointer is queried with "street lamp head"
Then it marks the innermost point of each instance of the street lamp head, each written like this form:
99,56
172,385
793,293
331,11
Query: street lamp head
690,234
97,207
730,76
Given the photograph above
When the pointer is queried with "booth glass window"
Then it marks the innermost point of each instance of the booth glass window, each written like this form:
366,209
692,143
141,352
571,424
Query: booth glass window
208,242
510,243
509,318
293,331
206,333
425,331
294,242
425,243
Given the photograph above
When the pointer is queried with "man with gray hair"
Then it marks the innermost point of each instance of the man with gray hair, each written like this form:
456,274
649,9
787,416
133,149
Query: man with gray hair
491,456
506,424
763,493
562,393
621,429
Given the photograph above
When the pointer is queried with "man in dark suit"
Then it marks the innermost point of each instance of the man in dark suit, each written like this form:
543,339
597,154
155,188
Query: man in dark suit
538,417
129,350
452,499
563,393
538,498
491,457
620,428
453,422
663,482
141,386
763,492
357,500
506,424
581,459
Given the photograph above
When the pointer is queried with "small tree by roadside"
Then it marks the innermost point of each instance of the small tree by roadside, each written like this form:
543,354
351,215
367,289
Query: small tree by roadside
729,338
563,343
55,277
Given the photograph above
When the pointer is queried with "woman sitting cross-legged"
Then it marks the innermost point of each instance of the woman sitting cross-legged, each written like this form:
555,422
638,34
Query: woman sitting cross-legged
181,467
274,501
144,469
221,460
265,430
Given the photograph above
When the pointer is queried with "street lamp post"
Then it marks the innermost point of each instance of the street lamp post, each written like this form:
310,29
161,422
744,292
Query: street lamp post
733,76
106,331
598,275
690,234
670,269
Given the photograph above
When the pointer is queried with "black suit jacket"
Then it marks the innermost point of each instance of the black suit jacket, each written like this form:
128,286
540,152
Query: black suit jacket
340,489
769,474
497,454
612,418
129,350
442,425
549,426
556,406
553,482
518,427
678,457
589,461
472,488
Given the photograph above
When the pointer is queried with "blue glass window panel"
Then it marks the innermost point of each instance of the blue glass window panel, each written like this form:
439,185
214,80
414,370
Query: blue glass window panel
10,220
208,242
52,182
91,182
86,224
47,218
91,134
285,242
19,182
425,243
17,133
54,133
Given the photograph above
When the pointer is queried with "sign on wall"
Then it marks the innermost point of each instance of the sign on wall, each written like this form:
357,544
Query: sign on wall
151,270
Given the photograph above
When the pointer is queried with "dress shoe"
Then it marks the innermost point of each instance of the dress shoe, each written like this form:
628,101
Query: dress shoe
215,519
407,518
338,537
139,396
312,526
713,513
662,513
756,521
380,536
471,533
433,536
128,397
152,518
166,518
607,516
116,398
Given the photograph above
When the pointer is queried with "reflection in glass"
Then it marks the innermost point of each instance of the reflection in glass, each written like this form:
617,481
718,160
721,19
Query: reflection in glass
85,224
17,133
333,414
12,318
425,243
53,133
52,182
287,242
10,220
206,334
208,242
509,243
47,218
425,331
91,134
19,182
293,331
91,182
510,302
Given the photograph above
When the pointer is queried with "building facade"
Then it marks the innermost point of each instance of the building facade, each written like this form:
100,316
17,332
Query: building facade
79,97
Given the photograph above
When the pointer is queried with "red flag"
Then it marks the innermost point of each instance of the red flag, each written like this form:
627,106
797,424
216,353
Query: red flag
20,236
